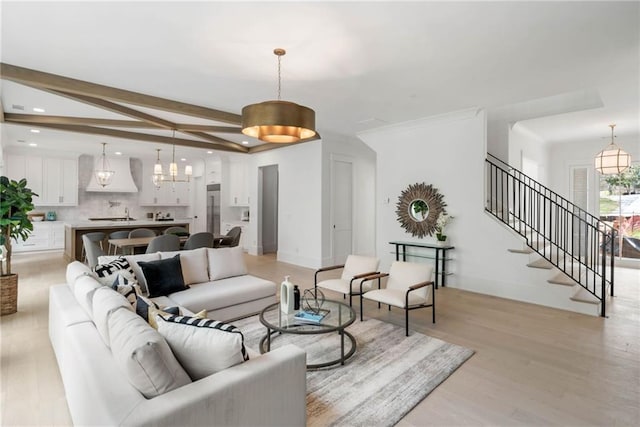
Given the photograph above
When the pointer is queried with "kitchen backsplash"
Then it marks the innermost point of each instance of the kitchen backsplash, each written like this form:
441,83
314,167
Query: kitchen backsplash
91,205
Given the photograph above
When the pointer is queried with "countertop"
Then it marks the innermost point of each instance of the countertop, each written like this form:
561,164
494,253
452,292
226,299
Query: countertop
86,224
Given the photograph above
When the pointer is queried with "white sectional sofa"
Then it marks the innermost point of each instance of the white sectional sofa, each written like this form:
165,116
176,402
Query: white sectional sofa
92,326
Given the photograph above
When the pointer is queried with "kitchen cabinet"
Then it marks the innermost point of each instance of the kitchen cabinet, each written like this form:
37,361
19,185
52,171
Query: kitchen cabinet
46,235
55,180
20,166
168,194
60,182
238,184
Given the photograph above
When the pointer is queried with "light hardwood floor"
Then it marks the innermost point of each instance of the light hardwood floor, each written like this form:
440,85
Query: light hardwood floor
533,365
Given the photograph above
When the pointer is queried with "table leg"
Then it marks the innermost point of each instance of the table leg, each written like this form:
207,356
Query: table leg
437,278
444,268
268,340
342,347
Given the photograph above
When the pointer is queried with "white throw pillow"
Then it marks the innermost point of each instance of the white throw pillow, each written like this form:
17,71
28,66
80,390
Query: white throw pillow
226,262
143,355
107,273
203,346
105,302
83,291
194,264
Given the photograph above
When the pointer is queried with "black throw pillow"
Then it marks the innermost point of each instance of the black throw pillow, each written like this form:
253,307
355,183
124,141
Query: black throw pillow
164,276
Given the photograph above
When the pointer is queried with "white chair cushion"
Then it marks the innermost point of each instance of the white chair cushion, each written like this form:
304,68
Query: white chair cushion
358,264
342,285
105,302
402,275
394,297
194,264
203,346
226,262
143,355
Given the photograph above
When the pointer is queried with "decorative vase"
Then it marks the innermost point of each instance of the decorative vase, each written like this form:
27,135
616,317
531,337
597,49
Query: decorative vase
286,296
8,294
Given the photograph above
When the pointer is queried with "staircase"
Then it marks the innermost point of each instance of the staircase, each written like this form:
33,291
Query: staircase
562,235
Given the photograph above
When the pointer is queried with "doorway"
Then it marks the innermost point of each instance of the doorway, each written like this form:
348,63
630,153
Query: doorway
268,217
341,208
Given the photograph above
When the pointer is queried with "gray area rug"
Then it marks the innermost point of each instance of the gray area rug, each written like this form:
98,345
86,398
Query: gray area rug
387,376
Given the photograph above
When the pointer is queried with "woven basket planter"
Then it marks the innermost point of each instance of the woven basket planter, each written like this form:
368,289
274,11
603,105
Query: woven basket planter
9,294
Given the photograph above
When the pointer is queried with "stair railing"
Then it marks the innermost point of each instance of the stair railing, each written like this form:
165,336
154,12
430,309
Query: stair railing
571,239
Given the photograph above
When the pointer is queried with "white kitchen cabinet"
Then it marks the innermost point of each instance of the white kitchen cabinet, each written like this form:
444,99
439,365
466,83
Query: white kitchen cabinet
168,194
46,235
19,166
60,182
55,180
238,184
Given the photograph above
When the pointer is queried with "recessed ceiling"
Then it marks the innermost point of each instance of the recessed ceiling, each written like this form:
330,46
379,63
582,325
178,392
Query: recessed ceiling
360,65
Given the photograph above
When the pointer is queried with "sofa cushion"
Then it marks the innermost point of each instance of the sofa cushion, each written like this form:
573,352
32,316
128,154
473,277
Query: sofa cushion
144,356
224,293
75,270
83,291
203,346
226,262
107,273
163,276
148,310
133,261
194,264
105,302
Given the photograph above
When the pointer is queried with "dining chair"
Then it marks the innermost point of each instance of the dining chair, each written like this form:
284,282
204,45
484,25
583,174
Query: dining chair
199,240
180,231
355,267
164,243
92,249
97,237
141,232
232,238
122,234
407,288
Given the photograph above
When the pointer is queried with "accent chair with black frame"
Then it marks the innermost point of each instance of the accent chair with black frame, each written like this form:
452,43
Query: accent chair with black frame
406,288
355,267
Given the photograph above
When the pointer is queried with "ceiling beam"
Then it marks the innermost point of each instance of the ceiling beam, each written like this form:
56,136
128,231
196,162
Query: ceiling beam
114,133
117,108
64,120
1,112
44,81
211,138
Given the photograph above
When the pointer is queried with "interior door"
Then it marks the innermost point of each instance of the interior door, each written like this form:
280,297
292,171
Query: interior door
342,208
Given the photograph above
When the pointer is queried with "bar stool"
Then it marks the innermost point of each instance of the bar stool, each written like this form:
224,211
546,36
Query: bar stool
122,234
97,238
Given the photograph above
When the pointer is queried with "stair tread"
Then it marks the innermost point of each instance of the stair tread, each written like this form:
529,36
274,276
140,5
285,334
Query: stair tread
541,263
525,250
562,279
582,295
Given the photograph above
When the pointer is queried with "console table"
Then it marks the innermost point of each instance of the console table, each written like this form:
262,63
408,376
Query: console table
440,256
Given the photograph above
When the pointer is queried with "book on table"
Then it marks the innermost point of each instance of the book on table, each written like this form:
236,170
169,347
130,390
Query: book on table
311,317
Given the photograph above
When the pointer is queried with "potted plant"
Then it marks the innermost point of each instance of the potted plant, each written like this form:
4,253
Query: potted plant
441,223
15,204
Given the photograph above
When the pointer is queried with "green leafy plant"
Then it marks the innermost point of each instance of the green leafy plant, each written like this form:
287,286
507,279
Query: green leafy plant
16,200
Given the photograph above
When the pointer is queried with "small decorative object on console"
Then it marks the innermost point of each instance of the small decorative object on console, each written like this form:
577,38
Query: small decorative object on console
312,301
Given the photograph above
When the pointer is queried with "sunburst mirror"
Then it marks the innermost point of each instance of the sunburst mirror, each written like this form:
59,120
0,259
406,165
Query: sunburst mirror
418,209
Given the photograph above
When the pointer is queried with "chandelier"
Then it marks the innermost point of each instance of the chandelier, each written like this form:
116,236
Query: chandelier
612,160
159,177
103,172
278,121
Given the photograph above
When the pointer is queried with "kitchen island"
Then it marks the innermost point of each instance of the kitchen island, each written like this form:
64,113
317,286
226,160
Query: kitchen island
73,231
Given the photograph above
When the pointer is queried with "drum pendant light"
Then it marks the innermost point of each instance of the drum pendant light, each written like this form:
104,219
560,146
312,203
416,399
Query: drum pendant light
278,121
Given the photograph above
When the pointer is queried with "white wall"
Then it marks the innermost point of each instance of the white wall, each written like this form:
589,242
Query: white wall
299,202
524,144
448,152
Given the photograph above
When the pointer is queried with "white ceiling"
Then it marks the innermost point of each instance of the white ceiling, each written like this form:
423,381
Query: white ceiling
360,65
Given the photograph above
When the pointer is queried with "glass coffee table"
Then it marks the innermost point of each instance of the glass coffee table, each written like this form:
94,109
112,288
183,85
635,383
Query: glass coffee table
339,317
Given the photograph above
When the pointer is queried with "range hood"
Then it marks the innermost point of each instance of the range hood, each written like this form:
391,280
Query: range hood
122,180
